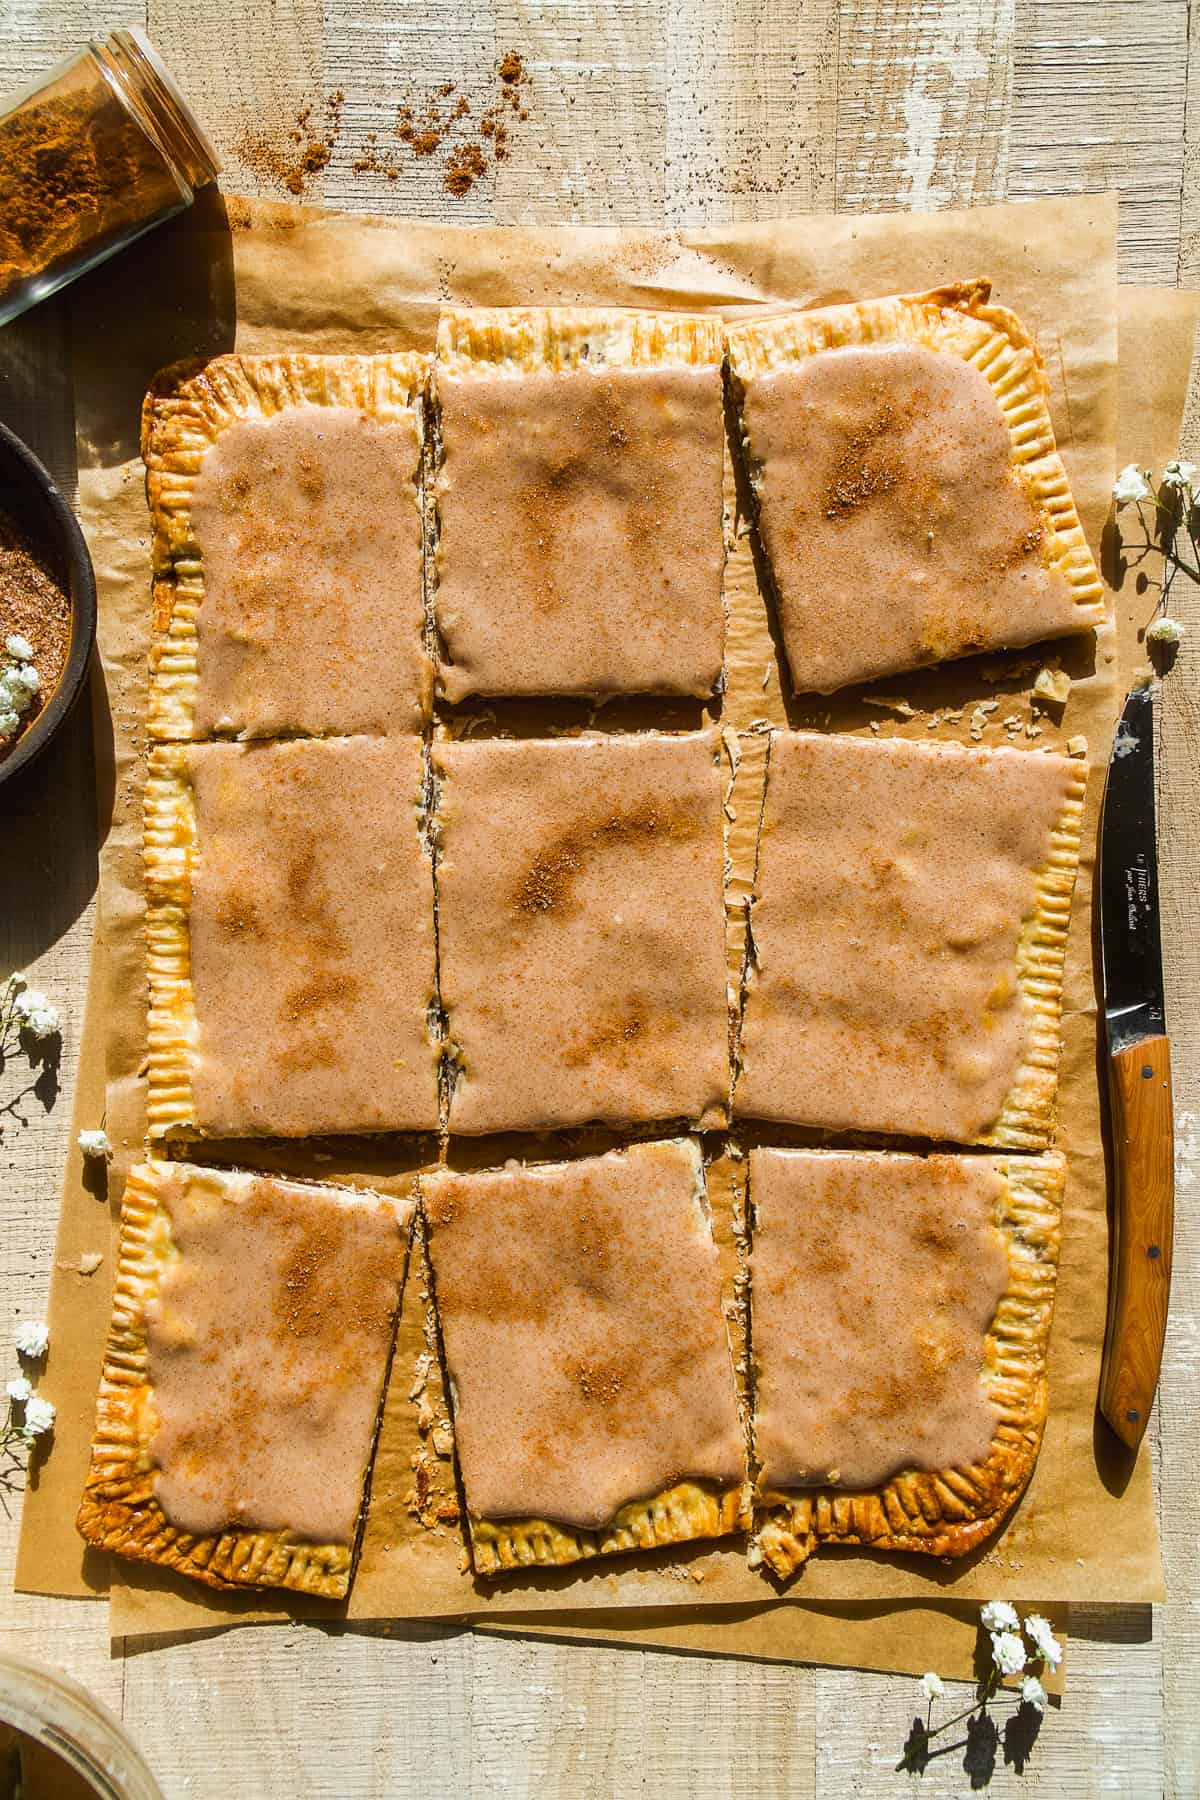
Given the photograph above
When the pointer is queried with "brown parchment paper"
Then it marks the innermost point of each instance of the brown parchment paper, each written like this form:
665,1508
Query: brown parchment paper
270,277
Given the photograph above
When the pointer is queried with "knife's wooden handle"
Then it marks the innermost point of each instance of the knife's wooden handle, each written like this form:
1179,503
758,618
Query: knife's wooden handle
1140,1279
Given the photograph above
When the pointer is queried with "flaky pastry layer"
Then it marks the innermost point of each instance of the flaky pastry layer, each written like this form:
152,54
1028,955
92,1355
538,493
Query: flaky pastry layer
183,415
956,319
950,1511
119,1510
491,341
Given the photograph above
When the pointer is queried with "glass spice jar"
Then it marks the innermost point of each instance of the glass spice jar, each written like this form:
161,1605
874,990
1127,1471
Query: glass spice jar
56,1739
99,149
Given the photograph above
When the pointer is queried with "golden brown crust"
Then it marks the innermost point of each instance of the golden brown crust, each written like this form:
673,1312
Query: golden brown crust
958,319
950,1511
689,1510
185,411
119,1511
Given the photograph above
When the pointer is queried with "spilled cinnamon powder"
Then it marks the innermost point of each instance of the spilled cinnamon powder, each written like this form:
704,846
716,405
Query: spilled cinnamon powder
291,161
437,126
464,169
438,123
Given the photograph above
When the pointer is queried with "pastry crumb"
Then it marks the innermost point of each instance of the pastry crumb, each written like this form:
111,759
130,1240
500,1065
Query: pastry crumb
886,704
1052,686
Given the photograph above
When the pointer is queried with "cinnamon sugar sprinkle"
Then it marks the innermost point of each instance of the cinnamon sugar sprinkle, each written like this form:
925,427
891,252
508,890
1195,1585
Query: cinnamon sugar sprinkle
861,471
548,882
34,605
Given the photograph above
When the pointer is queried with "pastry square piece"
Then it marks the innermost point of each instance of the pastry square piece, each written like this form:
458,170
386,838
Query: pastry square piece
900,1310
288,584
587,1354
251,1332
581,546
289,930
908,939
911,501
581,931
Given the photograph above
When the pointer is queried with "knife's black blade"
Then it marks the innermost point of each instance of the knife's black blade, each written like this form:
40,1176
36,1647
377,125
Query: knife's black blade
1129,939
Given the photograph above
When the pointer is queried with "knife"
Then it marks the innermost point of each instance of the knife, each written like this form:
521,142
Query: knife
1139,1078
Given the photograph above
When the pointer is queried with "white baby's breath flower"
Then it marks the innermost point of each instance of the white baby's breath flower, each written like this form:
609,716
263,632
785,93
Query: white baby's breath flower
39,1417
1164,631
94,1143
36,1014
31,1338
998,1615
19,647
1008,1652
18,686
1033,1693
1041,1636
1130,486
1179,474
9,720
14,695
19,1389
933,1685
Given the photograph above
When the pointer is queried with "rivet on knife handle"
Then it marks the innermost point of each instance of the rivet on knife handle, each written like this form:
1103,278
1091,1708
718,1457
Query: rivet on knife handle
1140,1279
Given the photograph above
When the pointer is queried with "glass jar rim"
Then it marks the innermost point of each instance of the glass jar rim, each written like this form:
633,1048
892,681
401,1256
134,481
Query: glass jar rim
143,82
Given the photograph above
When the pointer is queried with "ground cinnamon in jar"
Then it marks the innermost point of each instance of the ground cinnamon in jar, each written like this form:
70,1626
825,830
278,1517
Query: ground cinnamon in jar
72,167
100,150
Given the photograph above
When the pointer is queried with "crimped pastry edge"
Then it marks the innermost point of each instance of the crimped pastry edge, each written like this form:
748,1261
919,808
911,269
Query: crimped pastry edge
487,342
183,414
168,849
956,318
1029,1116
688,1510
119,1511
948,1512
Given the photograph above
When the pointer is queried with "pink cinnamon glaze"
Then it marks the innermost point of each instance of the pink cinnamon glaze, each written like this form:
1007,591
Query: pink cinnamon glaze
269,1338
580,1307
874,1282
894,880
313,610
581,532
897,531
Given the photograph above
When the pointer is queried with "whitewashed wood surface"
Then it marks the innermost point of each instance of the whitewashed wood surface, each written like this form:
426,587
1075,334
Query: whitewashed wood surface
666,112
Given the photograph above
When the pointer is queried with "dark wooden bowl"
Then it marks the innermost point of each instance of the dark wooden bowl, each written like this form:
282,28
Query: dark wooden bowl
34,503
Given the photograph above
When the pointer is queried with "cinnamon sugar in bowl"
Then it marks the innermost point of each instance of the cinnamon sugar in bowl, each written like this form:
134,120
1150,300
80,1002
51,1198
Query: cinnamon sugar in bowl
47,605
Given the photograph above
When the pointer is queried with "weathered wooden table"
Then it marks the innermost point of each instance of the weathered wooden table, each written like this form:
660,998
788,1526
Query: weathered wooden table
652,112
